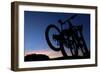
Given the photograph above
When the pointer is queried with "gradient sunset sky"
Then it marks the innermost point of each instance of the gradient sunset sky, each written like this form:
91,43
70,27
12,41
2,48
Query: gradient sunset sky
35,24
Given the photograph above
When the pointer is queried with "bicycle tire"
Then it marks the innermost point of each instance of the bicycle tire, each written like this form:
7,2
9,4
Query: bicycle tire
47,37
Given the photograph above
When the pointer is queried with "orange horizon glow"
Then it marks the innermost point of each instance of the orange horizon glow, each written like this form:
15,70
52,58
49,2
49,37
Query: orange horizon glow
50,54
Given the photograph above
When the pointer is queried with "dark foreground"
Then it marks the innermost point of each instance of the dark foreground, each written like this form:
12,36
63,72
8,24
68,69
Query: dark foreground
41,57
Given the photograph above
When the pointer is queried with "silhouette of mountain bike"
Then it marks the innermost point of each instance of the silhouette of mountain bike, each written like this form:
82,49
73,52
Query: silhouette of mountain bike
70,37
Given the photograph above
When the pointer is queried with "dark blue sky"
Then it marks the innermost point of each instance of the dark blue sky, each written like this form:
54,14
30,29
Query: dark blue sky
35,24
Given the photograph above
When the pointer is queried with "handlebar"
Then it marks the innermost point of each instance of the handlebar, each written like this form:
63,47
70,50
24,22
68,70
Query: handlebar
63,22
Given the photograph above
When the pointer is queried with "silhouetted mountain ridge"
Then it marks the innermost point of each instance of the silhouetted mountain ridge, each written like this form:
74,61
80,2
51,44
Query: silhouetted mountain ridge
42,57
36,57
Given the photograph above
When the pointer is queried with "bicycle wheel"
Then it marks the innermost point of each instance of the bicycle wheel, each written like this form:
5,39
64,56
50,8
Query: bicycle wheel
50,31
